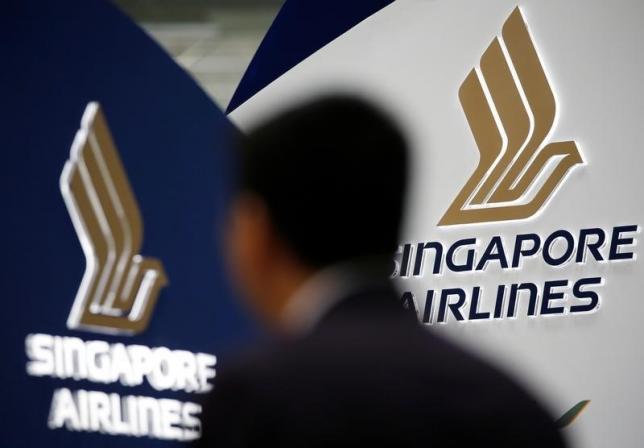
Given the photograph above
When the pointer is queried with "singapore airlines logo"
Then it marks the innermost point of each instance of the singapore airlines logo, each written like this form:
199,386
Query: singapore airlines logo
511,109
119,288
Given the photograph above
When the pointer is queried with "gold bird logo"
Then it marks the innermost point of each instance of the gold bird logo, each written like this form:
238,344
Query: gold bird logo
511,109
119,288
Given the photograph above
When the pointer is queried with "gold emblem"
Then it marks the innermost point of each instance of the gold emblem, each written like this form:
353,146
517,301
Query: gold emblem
511,109
119,288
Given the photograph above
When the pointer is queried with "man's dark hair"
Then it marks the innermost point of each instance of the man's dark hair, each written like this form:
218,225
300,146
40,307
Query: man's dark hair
332,173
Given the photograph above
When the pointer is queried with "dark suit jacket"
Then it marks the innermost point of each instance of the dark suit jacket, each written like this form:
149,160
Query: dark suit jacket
369,375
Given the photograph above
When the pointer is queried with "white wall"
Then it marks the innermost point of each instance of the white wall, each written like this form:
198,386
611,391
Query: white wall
412,58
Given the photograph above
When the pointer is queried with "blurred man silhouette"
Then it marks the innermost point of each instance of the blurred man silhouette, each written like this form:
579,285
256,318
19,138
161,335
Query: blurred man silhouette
313,230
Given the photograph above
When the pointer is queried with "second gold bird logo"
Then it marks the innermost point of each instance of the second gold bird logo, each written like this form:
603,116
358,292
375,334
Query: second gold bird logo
510,108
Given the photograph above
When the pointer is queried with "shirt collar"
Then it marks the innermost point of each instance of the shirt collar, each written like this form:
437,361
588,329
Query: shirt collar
325,289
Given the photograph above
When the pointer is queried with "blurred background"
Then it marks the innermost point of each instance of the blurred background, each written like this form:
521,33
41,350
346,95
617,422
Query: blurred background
214,40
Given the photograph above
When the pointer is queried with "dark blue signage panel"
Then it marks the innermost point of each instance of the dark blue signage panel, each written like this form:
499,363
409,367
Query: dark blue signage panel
116,173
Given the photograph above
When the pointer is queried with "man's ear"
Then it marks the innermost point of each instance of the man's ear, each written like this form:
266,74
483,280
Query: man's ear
266,271
250,228
248,242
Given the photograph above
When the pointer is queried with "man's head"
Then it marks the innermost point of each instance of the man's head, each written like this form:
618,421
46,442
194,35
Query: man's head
320,184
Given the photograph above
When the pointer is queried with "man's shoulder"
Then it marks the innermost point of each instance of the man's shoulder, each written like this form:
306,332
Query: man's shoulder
375,373
370,364
399,355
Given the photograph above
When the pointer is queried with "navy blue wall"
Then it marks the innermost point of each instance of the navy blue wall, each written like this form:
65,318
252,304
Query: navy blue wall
56,57
300,29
